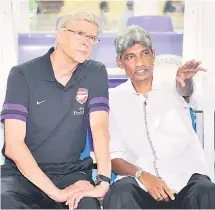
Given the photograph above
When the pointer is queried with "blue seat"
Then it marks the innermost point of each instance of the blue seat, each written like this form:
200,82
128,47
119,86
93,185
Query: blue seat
86,151
193,118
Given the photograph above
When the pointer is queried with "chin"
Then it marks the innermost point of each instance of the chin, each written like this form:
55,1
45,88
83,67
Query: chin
141,78
80,59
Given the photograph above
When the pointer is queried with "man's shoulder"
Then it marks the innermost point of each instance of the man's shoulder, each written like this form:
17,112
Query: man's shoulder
93,66
30,67
119,91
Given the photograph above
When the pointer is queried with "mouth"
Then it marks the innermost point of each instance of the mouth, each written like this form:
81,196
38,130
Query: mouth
82,51
141,72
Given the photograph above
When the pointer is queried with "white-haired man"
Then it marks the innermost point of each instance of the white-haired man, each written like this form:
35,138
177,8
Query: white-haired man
48,103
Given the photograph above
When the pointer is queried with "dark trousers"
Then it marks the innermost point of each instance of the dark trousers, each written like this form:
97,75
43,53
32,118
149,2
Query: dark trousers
18,193
199,193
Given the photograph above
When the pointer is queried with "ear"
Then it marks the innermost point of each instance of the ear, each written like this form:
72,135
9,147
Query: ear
153,54
119,63
60,35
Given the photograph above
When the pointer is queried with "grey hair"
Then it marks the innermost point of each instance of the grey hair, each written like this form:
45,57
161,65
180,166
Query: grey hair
78,14
130,36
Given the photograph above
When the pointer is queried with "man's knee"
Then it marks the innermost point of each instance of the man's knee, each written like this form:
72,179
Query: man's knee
17,194
205,188
201,196
126,184
119,192
10,200
89,203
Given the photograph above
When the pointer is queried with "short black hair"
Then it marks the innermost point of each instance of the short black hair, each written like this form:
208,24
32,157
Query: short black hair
130,3
103,4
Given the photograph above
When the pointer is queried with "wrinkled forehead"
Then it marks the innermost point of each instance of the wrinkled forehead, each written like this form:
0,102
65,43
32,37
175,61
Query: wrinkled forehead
83,26
136,49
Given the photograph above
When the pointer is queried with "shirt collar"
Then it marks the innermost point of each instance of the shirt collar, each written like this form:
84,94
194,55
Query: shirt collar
46,66
48,72
157,84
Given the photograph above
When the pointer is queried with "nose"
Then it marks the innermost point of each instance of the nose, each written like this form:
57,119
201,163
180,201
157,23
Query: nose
140,62
86,42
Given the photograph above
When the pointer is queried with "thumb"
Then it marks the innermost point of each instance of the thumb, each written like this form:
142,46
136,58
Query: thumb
180,81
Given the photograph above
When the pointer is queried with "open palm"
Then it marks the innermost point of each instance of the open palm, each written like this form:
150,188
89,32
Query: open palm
187,71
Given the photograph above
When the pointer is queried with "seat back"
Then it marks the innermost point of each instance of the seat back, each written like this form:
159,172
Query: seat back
33,45
104,51
154,23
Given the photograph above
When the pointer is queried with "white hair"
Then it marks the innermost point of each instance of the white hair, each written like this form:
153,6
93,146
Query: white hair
129,37
78,14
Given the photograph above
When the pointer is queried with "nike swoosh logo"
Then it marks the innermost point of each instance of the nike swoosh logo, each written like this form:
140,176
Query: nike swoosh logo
39,102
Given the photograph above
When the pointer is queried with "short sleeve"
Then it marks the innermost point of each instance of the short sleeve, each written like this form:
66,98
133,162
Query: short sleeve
17,95
98,94
117,147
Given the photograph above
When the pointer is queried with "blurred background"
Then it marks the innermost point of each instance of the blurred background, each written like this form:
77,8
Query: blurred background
113,15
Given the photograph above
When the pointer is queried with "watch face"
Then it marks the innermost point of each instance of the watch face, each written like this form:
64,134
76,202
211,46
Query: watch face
98,181
101,178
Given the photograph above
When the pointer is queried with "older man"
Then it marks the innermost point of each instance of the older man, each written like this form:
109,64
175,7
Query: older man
46,110
154,149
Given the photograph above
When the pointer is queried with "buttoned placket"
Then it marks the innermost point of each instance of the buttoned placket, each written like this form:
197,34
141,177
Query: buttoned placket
149,138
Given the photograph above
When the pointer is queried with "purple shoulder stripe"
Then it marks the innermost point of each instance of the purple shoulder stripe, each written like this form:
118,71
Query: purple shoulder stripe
99,108
98,100
13,116
15,107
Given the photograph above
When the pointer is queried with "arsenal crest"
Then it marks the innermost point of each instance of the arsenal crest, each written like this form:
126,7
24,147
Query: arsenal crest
82,95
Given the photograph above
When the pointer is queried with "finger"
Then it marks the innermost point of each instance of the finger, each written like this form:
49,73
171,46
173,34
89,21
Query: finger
85,183
85,186
153,195
192,63
169,192
78,189
81,188
157,194
185,66
196,70
77,200
91,186
101,198
71,203
180,80
163,194
201,69
195,65
82,182
88,187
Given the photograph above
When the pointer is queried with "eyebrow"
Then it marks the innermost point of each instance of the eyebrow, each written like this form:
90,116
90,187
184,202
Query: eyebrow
88,33
145,50
129,54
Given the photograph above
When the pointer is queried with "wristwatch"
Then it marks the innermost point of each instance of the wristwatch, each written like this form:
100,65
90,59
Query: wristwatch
101,178
139,173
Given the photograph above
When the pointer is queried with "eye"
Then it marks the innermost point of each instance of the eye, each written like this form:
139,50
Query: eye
80,33
93,38
146,53
129,57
